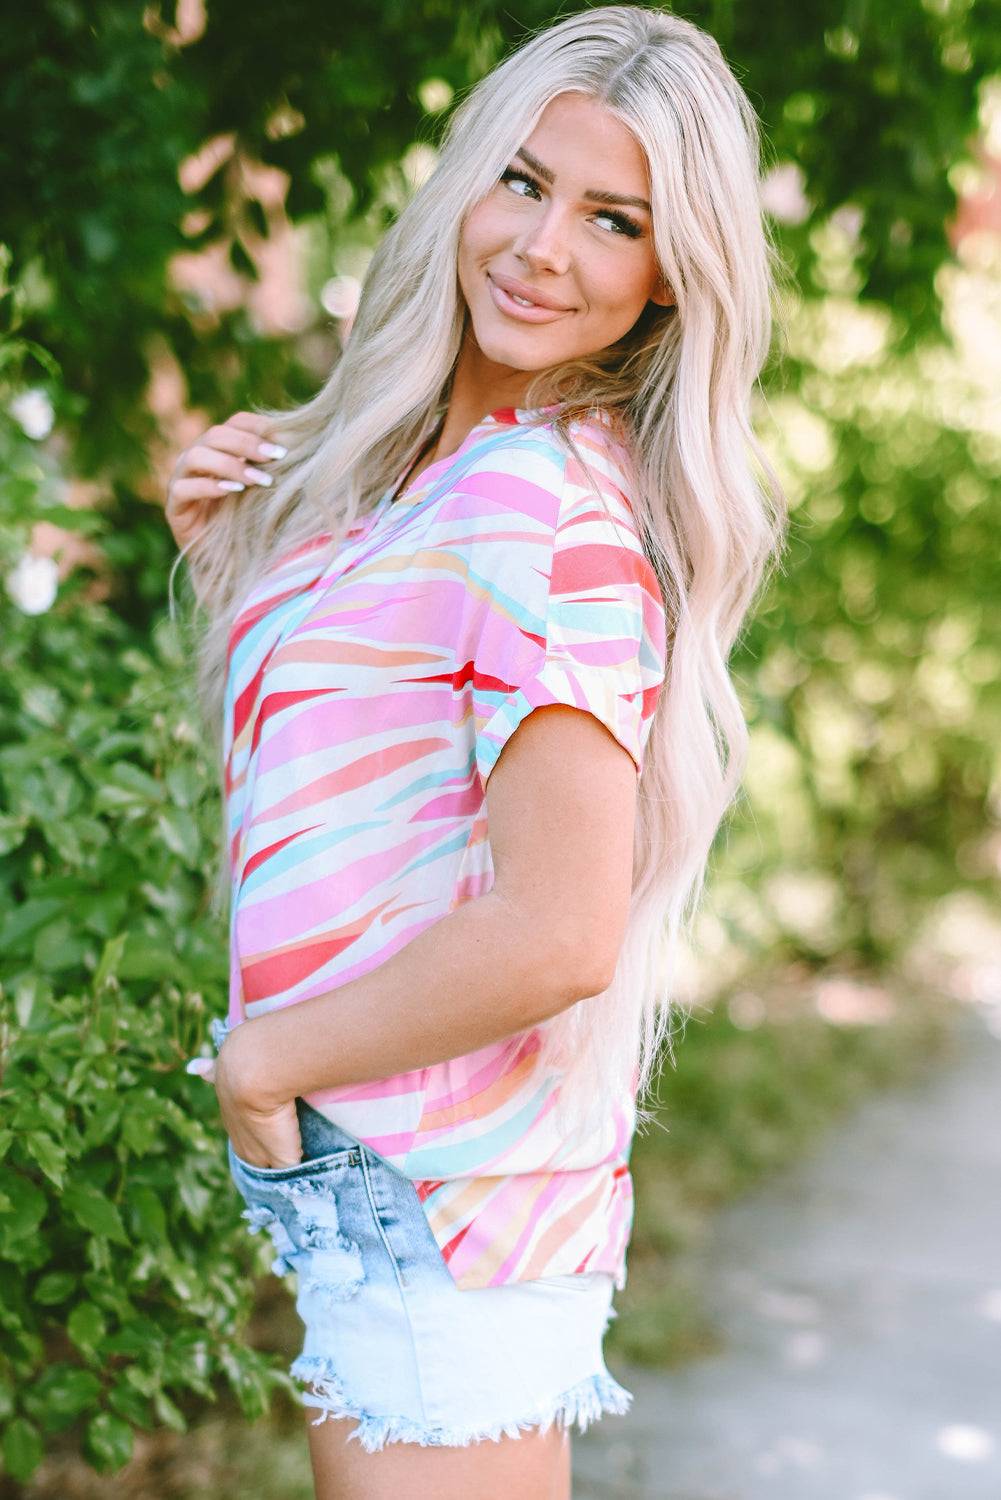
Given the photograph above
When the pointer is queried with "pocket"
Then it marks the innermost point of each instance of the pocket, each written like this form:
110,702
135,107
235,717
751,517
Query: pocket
575,1283
311,1166
301,1209
325,1148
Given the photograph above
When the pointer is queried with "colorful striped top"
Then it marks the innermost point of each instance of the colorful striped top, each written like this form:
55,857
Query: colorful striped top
368,698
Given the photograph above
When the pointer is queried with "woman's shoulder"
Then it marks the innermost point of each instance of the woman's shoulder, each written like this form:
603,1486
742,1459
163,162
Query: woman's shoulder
512,471
600,467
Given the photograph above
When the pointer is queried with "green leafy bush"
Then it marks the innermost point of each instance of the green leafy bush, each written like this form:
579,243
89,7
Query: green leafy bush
127,1272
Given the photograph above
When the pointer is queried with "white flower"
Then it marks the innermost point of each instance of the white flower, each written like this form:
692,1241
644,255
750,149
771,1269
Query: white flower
340,296
434,94
783,194
849,218
33,583
33,410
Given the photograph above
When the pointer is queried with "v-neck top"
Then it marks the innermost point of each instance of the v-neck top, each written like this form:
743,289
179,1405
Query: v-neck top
369,696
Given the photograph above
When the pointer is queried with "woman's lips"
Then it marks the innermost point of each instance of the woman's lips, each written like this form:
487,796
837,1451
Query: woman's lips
514,309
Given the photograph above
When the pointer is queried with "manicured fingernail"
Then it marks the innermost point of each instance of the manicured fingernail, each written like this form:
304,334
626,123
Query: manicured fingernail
258,475
231,484
271,450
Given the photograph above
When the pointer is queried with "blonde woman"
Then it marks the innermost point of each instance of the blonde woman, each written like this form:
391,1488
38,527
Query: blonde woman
466,648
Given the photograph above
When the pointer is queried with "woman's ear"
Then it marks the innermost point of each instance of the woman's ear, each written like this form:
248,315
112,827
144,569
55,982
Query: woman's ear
662,294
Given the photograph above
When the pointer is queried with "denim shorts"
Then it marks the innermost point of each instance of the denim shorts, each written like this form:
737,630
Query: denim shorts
390,1340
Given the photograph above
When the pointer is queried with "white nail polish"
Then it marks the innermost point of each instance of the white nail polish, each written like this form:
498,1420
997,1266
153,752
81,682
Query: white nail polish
271,450
231,484
257,475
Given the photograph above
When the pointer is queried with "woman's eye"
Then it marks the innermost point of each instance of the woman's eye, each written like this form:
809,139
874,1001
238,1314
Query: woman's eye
622,223
512,176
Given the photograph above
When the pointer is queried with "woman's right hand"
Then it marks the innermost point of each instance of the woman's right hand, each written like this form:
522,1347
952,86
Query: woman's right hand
221,461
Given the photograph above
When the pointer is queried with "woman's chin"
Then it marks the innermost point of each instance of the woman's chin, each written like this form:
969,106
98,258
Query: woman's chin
517,353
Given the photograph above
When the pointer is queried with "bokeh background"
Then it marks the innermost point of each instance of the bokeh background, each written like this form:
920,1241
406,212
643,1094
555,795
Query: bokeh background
191,194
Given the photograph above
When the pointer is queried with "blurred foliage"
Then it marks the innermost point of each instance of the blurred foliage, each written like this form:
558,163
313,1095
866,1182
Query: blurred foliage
870,677
100,103
127,1273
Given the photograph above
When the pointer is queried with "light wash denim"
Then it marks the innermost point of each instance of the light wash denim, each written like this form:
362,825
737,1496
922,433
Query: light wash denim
390,1340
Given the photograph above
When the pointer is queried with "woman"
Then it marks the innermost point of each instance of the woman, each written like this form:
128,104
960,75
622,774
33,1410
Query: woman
525,490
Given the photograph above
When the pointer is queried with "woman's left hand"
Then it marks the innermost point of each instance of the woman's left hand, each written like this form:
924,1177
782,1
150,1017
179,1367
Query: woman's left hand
263,1133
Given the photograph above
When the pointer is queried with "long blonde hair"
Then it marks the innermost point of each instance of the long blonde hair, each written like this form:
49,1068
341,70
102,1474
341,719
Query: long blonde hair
680,383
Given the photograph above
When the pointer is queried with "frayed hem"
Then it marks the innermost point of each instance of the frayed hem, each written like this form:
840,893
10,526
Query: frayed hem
582,1404
330,1293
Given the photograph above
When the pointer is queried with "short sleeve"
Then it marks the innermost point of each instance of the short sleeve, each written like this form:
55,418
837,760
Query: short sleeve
584,627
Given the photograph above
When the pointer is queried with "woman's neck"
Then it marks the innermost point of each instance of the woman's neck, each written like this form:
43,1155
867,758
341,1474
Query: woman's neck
425,458
478,387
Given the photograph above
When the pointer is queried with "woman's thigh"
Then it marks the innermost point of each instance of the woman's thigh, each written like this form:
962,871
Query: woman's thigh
534,1466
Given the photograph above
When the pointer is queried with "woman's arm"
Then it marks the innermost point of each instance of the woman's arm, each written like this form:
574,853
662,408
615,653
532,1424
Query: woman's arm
561,804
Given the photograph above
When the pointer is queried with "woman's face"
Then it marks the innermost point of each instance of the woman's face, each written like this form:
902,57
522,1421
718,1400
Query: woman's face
563,225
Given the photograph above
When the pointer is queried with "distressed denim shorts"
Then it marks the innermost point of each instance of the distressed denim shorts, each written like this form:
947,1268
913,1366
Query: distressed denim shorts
390,1340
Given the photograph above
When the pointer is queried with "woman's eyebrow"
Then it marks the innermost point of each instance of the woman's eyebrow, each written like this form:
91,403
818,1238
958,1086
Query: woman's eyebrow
596,195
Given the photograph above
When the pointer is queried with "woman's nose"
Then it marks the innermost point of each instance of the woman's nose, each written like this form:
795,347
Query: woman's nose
545,244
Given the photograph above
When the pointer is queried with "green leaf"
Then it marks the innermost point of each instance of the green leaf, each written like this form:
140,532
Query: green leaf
184,783
140,1126
147,1215
146,958
108,1442
180,833
46,790
134,781
245,1369
60,946
22,1449
12,831
32,1001
110,958
54,1287
22,1205
117,741
111,1296
189,1360
183,1278
64,838
86,1326
89,522
147,1382
50,1156
43,702
105,1113
95,1212
131,1405
196,1197
169,1414
52,1112
141,1338
22,921
60,1394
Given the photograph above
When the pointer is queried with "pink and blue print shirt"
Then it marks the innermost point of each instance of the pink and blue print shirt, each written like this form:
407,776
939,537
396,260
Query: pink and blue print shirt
369,696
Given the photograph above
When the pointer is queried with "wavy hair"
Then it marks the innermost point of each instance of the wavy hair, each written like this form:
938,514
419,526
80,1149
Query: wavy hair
680,384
